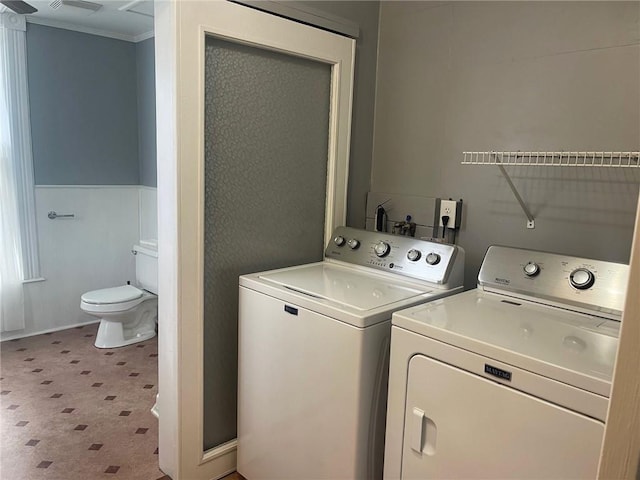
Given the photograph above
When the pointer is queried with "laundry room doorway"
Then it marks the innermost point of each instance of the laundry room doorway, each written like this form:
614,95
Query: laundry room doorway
254,120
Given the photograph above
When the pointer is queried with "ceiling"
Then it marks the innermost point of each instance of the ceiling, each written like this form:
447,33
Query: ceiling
126,20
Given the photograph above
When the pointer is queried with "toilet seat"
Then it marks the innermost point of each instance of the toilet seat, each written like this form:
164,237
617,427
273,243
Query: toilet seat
116,299
124,293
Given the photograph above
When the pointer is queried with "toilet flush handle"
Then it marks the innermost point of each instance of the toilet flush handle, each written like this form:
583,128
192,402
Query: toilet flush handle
134,252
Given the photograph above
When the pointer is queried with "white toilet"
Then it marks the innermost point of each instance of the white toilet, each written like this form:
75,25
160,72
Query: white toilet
127,314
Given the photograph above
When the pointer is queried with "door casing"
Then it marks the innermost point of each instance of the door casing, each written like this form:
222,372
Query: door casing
180,29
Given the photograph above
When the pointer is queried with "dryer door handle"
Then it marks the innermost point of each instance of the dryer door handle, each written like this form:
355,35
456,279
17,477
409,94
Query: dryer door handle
423,433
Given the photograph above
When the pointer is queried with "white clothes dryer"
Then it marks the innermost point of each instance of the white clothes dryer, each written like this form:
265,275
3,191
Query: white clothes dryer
510,380
314,350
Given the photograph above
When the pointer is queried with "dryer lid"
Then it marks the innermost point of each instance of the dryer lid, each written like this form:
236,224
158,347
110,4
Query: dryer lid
125,293
573,348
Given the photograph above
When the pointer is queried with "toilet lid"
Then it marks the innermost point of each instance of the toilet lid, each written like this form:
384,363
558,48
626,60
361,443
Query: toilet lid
121,294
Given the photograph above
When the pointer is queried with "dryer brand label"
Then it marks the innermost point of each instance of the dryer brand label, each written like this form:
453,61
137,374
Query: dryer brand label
503,281
497,372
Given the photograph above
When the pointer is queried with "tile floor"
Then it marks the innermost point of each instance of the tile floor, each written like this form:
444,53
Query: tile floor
71,411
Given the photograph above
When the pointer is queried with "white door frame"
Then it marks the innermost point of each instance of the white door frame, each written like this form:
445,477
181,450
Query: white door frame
620,456
180,30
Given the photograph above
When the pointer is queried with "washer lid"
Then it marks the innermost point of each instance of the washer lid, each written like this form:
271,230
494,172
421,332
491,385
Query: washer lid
125,293
344,286
573,348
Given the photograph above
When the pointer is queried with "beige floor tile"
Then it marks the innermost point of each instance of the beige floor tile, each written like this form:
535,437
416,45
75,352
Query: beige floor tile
71,411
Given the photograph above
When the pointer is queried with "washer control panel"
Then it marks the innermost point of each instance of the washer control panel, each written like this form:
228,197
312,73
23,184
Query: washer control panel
561,279
412,257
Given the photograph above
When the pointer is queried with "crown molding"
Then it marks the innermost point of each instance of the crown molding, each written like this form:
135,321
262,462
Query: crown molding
89,30
144,36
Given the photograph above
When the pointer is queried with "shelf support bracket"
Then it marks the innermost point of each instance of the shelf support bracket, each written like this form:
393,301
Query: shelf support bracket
531,223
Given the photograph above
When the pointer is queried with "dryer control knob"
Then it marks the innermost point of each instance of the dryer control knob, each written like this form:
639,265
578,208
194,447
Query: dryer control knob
339,240
582,278
353,243
414,255
531,269
433,259
382,249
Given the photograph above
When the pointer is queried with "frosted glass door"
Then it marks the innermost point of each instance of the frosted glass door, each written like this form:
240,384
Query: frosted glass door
459,425
266,148
254,121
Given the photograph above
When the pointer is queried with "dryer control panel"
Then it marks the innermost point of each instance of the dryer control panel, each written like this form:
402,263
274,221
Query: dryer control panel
560,280
438,263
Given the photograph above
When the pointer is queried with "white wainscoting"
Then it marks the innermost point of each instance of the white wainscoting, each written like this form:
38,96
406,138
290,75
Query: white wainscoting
87,252
149,216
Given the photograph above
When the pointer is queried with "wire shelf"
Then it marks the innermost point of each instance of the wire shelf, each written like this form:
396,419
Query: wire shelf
554,159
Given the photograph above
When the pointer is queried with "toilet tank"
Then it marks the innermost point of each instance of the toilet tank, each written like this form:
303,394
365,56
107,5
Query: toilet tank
146,268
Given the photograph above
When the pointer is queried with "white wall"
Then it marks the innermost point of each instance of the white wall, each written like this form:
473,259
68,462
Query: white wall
479,76
87,252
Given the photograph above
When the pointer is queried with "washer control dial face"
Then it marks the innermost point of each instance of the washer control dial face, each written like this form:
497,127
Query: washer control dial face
382,249
339,240
414,255
353,243
582,278
433,258
531,269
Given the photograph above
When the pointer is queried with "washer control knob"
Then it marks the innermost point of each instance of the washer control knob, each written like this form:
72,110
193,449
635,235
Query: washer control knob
339,240
414,255
353,244
382,249
433,259
531,269
582,278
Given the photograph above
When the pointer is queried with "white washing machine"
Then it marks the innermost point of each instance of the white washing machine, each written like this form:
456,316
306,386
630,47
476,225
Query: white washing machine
314,351
510,380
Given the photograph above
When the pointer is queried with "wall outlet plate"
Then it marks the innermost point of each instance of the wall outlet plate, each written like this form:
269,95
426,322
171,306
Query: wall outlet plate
452,209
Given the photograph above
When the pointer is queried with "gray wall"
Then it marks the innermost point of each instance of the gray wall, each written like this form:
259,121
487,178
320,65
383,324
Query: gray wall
84,118
145,62
365,14
460,76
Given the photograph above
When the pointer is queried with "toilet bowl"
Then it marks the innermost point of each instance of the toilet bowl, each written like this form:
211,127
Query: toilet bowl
127,314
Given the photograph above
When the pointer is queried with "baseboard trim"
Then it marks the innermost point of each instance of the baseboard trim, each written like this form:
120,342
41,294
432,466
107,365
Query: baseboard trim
6,338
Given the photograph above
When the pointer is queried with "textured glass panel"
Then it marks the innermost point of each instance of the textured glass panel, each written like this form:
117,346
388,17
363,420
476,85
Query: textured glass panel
266,126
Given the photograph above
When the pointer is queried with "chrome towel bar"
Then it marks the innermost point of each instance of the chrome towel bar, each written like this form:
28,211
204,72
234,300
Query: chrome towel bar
53,215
